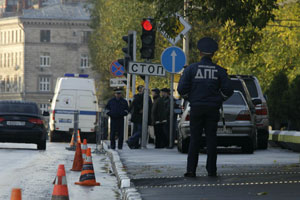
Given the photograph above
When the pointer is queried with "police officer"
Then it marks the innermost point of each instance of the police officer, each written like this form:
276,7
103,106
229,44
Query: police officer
117,108
206,86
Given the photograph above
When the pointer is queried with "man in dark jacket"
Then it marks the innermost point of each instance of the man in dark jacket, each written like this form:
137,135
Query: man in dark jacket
117,108
159,119
136,109
206,86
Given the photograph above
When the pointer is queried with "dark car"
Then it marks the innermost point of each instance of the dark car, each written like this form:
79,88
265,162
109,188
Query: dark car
22,122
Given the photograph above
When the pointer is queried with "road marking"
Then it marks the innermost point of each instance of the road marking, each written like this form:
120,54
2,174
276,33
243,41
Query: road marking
203,175
216,185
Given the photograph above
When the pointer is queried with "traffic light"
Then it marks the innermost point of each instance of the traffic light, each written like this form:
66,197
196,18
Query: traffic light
148,39
128,51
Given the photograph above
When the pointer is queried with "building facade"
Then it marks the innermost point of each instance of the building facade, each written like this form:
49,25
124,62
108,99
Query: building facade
41,45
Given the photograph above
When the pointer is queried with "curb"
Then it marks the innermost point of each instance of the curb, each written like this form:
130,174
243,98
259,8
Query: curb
128,192
285,139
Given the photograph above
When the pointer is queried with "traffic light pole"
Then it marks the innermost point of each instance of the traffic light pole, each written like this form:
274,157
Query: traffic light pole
127,99
145,113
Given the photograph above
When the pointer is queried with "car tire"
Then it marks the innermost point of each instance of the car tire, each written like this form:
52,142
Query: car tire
248,147
183,144
262,139
41,145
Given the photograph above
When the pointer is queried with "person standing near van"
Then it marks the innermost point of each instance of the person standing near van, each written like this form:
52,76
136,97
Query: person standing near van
117,108
206,85
159,119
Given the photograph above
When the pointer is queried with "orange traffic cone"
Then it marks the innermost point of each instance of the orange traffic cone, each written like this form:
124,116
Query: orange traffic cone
83,149
78,137
72,141
78,161
87,177
60,190
16,194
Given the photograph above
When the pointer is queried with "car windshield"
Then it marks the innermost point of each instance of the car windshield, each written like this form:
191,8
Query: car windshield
251,87
235,99
18,108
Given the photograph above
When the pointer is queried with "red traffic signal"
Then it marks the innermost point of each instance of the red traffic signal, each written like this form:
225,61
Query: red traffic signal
146,24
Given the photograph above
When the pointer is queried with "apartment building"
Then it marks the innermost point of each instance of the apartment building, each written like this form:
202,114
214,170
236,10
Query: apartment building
41,45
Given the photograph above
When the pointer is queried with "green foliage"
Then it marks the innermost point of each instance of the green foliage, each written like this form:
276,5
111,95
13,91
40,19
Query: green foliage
294,103
278,100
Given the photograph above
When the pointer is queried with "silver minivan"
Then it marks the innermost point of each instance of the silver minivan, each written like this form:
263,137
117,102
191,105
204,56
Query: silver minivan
239,128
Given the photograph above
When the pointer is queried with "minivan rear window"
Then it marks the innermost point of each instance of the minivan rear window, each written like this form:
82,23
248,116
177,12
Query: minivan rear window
237,85
251,87
18,108
235,99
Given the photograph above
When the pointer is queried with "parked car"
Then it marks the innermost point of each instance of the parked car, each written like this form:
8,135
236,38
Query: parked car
262,117
22,122
239,129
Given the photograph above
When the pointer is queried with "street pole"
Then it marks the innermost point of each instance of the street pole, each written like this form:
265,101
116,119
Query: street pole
133,75
145,113
185,43
127,99
171,111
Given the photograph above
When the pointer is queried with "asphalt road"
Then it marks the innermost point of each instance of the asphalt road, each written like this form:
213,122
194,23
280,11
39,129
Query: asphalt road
23,166
266,174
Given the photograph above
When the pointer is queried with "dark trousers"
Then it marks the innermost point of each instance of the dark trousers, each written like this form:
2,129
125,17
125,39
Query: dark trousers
160,136
116,125
167,131
203,118
136,135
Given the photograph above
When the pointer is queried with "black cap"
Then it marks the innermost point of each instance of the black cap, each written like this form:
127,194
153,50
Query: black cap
165,90
207,45
118,90
156,90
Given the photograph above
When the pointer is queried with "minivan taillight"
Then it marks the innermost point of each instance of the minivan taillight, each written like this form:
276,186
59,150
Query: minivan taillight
35,121
1,119
261,110
244,115
187,117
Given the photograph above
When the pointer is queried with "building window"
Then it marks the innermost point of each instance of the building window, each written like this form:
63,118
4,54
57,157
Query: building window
45,60
44,83
86,36
1,60
44,107
84,61
45,35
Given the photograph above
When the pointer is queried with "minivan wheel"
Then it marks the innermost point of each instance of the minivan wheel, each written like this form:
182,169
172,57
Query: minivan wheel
183,144
262,139
41,145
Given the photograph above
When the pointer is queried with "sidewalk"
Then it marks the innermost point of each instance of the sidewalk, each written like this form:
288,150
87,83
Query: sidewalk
136,165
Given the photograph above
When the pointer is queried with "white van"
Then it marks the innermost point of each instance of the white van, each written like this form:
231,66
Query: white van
73,93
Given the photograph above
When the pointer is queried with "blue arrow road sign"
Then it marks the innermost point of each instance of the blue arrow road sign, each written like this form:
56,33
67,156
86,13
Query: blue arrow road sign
173,59
117,69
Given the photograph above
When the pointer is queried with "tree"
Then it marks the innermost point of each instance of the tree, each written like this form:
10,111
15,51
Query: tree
294,103
278,101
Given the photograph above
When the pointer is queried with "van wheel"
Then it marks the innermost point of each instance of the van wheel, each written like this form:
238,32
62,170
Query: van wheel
54,137
90,137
